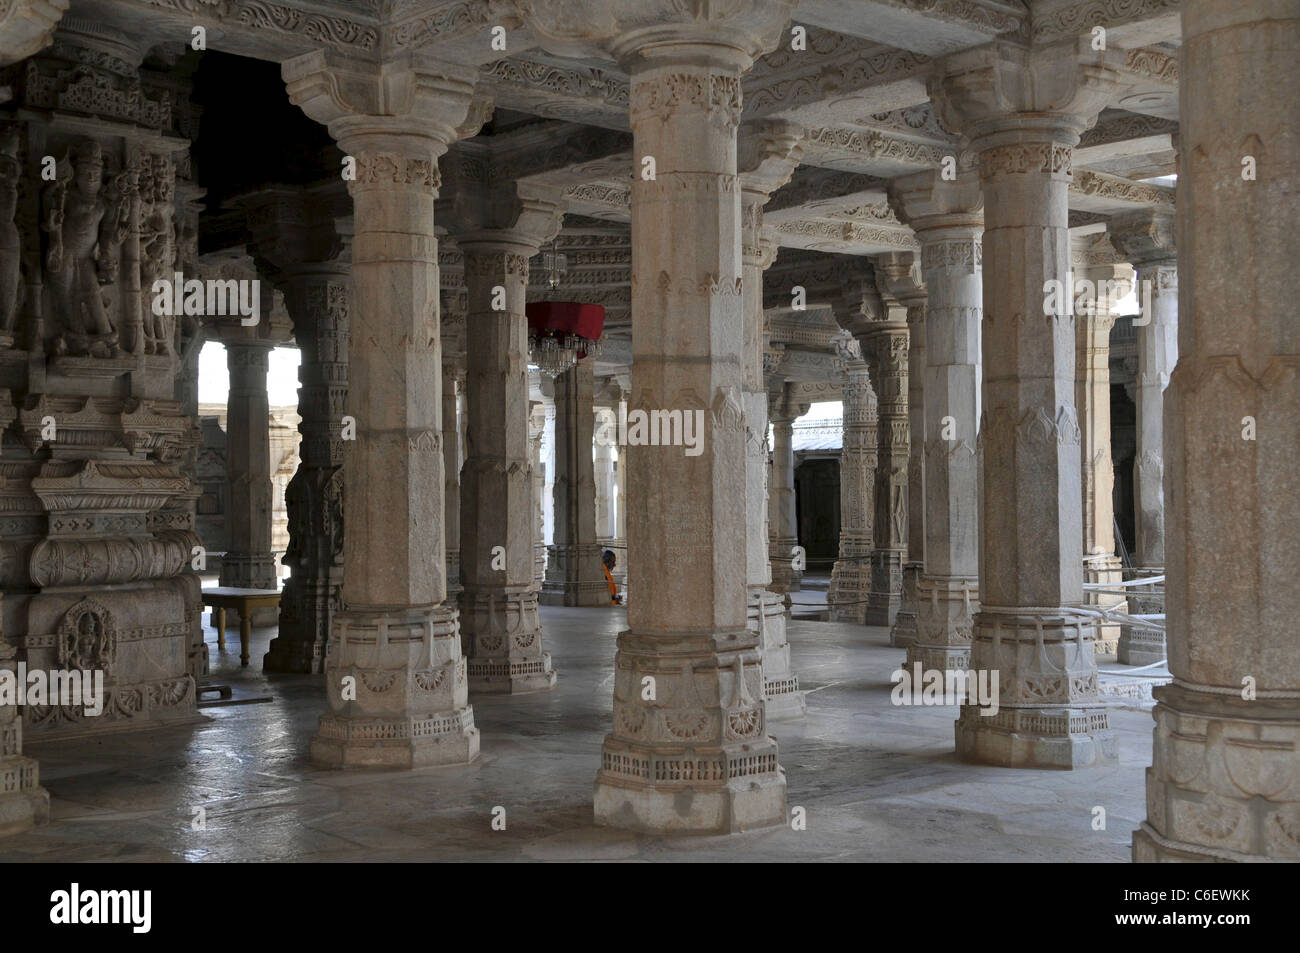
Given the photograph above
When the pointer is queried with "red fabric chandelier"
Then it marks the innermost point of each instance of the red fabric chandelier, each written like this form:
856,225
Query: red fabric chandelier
561,333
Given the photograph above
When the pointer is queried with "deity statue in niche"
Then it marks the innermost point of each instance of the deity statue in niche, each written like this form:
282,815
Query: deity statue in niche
11,171
157,247
83,240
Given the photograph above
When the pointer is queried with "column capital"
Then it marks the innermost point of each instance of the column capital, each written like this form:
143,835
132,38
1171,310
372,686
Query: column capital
479,213
898,278
1002,95
294,231
767,153
693,32
929,203
397,117
26,27
1145,238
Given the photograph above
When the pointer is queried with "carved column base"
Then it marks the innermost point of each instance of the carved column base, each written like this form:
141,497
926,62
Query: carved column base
398,693
694,757
145,650
23,802
306,613
886,597
1223,784
850,589
766,614
1107,571
502,636
1142,646
785,578
251,571
1049,714
454,586
903,633
573,577
945,607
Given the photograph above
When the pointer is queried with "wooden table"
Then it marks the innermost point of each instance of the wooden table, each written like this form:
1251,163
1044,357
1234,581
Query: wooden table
221,598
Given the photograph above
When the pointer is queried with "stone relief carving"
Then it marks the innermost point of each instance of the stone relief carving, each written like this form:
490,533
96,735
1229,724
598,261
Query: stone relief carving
11,245
83,236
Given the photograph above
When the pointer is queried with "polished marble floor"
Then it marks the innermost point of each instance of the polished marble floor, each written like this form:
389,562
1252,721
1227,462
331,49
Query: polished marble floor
878,782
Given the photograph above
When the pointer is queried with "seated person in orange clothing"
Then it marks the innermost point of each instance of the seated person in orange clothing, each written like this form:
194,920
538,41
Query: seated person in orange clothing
608,562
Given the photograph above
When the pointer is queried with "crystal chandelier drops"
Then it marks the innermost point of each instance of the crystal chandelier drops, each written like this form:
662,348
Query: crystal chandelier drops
553,342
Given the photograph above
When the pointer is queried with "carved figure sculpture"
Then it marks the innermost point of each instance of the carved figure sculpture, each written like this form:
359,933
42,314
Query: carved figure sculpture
77,223
11,170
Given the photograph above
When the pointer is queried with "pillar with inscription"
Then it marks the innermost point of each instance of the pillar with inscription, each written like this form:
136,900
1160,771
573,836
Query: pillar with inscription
1224,784
395,676
1028,627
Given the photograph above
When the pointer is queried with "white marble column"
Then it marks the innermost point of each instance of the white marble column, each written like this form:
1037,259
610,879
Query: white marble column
536,437
783,530
395,676
453,382
1224,784
499,619
690,752
573,573
249,564
301,240
603,455
948,219
1095,316
1028,628
768,154
903,633
1147,240
887,344
850,585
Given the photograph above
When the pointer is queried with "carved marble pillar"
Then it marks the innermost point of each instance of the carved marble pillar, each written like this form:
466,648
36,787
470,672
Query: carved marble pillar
304,252
1031,575
503,634
453,334
948,220
1147,240
767,155
850,587
1224,784
23,802
395,676
573,573
97,539
606,426
692,753
783,528
1095,315
536,437
903,633
887,342
249,564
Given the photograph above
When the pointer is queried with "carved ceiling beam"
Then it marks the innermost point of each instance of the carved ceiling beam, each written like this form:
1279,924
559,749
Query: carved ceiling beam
932,27
274,30
1128,23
